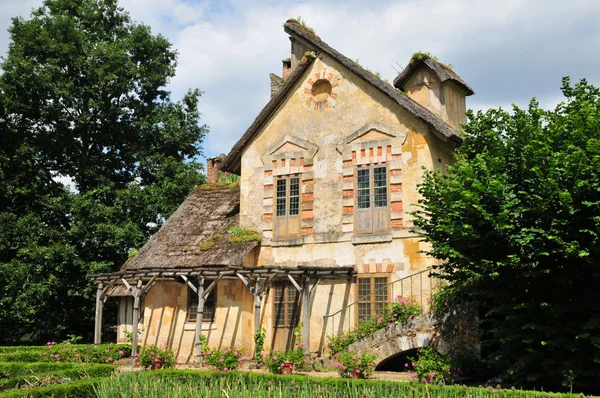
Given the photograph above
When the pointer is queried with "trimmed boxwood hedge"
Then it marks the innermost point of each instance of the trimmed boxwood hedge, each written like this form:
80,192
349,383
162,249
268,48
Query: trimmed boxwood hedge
74,372
35,353
75,389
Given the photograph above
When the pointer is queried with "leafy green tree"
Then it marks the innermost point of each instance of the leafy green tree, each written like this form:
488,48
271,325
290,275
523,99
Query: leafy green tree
516,223
82,96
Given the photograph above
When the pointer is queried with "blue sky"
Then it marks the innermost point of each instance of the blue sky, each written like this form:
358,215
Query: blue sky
508,51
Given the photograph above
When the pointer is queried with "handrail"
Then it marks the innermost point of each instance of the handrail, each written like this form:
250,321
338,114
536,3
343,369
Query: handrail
380,289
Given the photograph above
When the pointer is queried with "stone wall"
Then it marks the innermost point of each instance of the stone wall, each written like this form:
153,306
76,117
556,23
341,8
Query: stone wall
450,332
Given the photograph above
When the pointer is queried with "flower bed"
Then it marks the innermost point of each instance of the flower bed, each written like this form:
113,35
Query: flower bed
398,311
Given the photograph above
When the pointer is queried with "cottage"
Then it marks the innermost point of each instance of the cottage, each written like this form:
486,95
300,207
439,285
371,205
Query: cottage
317,232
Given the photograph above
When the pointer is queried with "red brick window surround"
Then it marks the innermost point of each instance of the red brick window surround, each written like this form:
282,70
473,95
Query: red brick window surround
288,191
372,182
287,198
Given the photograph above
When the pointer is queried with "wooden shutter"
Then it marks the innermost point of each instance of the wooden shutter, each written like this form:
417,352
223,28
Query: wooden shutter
294,210
380,200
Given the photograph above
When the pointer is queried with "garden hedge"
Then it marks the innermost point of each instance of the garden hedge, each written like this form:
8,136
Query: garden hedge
75,389
28,374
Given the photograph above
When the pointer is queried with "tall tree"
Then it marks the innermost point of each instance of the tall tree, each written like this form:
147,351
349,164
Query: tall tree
83,98
517,223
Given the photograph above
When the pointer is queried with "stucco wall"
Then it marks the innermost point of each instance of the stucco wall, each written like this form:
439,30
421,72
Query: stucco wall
165,315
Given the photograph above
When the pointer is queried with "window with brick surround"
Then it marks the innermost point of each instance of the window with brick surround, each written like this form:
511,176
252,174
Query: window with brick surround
372,209
210,306
286,217
372,292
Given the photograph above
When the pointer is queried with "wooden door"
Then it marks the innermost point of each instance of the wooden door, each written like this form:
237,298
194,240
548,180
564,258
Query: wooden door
286,311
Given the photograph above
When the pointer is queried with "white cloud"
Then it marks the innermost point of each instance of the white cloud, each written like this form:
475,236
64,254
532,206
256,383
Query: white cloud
509,50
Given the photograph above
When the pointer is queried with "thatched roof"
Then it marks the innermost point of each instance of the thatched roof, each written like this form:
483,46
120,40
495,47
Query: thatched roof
439,127
201,222
443,72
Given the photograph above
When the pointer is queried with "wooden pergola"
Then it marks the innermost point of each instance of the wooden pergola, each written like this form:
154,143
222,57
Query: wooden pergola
257,279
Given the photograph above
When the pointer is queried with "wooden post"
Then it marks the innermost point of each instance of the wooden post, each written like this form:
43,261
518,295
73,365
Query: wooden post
136,310
98,322
199,316
306,315
257,304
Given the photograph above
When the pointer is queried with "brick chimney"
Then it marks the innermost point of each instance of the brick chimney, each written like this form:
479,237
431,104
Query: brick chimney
213,169
287,69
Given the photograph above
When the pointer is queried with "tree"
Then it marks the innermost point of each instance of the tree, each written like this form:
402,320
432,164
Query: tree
82,97
516,223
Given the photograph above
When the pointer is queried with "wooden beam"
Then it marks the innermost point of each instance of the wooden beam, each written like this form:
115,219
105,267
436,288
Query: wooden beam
136,316
312,289
291,278
244,280
306,315
98,319
199,316
211,286
267,282
148,286
104,294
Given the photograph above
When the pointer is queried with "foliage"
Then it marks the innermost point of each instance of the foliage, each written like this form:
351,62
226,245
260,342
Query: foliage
154,356
83,99
516,224
193,383
259,344
397,311
276,360
32,379
240,234
300,21
430,366
67,352
351,364
221,358
73,389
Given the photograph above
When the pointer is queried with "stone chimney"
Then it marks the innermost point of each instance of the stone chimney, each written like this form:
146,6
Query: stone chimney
287,69
213,169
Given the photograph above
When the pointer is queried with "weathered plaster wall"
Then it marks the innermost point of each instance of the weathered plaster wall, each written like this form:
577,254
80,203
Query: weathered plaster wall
357,104
165,315
447,100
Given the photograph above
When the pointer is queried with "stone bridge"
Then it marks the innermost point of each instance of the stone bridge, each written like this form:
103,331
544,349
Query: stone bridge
455,329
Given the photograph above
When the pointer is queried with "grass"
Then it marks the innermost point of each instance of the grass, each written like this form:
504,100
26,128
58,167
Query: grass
183,384
240,234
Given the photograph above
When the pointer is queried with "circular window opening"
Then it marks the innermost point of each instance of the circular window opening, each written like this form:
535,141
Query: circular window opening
321,90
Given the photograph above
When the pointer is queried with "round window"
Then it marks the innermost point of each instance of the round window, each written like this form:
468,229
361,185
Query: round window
321,90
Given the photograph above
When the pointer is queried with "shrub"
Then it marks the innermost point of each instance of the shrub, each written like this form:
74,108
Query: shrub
276,360
259,344
350,364
67,352
221,358
74,389
54,374
154,357
430,367
398,311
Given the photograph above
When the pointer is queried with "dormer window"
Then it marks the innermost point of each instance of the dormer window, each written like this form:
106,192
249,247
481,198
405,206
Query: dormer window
287,207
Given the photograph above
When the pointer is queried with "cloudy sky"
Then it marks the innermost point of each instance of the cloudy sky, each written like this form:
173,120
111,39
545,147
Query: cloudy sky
507,50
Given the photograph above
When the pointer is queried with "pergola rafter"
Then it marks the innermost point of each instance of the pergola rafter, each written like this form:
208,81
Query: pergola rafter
251,277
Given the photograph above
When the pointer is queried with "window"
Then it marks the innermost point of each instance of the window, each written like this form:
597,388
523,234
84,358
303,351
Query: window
210,306
372,296
285,305
372,213
287,208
